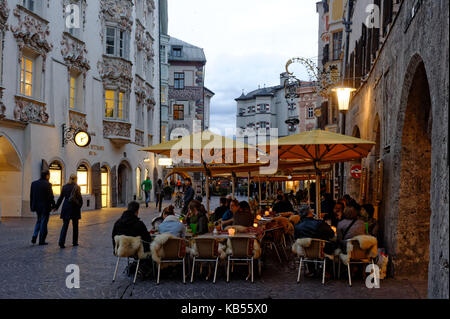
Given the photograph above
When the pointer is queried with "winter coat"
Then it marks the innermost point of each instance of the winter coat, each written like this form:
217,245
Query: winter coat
283,206
70,210
313,228
172,226
130,225
41,196
358,228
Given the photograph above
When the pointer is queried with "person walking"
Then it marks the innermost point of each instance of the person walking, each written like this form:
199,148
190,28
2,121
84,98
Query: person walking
71,209
188,196
146,186
41,201
158,193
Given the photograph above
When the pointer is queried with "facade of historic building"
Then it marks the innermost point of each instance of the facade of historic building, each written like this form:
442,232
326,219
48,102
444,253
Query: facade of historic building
267,108
398,63
68,65
188,97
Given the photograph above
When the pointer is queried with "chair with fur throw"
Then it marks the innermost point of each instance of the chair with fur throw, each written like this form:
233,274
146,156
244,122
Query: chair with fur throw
166,248
360,250
311,250
129,247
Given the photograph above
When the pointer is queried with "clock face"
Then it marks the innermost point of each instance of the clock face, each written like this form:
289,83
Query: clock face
82,139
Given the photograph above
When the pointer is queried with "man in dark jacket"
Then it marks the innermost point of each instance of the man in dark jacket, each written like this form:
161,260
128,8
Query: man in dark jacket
312,228
41,201
130,225
188,195
71,210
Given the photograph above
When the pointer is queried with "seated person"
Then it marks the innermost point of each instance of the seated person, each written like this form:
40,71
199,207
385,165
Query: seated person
282,205
367,214
336,216
220,211
197,215
350,226
171,224
312,228
227,218
243,217
130,225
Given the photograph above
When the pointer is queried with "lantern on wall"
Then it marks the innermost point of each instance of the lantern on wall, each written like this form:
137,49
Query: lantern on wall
343,95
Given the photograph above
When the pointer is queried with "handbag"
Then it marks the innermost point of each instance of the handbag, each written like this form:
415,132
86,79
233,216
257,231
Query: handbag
74,199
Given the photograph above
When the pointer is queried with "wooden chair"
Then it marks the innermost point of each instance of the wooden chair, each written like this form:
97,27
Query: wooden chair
206,251
313,254
241,251
174,252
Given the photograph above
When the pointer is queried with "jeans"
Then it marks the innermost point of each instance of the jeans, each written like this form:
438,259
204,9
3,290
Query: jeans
62,236
147,197
41,226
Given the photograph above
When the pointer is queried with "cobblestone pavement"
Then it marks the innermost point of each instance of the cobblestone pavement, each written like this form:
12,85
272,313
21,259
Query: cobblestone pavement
31,271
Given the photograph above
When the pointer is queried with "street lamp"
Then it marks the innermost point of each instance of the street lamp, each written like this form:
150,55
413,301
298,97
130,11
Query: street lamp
343,95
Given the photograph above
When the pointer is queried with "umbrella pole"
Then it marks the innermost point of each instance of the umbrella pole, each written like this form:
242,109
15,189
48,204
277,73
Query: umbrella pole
248,188
233,180
207,193
259,183
317,194
309,190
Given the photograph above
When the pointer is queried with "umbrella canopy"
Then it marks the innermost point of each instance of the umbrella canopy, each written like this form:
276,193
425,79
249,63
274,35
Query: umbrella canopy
321,147
206,147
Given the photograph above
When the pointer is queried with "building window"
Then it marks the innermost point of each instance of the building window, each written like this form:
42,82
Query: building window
1,56
105,187
263,108
32,5
163,95
138,182
163,134
55,170
310,112
82,176
26,76
251,109
178,112
176,52
179,80
140,116
117,42
162,52
140,67
337,45
115,105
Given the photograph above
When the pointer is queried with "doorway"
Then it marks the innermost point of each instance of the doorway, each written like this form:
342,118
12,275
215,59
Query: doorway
10,180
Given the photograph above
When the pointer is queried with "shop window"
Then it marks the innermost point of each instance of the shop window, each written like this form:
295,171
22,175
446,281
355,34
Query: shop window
82,175
105,187
56,174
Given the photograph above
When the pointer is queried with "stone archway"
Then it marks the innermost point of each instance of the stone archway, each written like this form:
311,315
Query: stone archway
10,180
123,184
414,212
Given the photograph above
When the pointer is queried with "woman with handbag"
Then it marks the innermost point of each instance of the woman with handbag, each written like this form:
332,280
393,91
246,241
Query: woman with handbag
71,209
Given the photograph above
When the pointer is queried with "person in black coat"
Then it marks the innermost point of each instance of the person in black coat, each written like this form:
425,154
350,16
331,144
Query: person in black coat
312,228
41,201
130,225
71,209
282,205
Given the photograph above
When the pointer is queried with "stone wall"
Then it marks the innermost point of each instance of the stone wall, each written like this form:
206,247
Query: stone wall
411,45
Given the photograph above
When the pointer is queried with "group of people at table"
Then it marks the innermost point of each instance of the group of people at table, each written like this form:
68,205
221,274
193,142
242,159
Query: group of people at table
341,220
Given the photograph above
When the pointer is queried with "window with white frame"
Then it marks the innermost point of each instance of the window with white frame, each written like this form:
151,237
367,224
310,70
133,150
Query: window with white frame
33,5
148,69
310,112
140,116
75,26
75,90
140,63
263,108
116,105
140,9
117,42
179,80
27,68
251,109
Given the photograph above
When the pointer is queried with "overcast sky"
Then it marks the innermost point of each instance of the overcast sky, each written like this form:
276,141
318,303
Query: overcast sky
247,43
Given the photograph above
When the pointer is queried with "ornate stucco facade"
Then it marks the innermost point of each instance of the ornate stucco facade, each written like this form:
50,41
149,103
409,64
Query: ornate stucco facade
99,73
